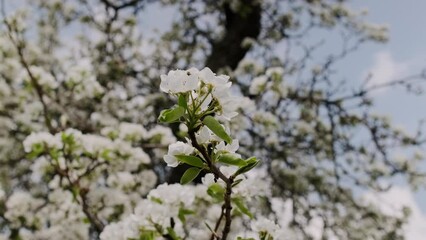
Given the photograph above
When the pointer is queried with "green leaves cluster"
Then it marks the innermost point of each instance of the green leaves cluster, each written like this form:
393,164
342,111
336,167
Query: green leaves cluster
182,112
191,115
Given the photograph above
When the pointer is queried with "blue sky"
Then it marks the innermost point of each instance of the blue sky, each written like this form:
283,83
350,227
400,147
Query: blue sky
405,49
404,54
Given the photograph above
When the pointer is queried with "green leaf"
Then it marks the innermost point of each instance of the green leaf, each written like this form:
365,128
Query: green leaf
68,139
182,101
36,150
231,159
172,234
191,160
216,128
263,235
236,182
54,154
156,200
189,175
147,235
208,226
183,212
251,163
216,191
75,192
239,202
105,154
171,115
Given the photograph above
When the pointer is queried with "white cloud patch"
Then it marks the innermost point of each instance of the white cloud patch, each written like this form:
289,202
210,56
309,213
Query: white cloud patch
392,202
385,69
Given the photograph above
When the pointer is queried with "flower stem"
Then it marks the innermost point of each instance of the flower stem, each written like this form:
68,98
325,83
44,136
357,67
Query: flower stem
218,174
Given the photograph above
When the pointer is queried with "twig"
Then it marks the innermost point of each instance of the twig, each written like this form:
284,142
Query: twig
39,89
218,174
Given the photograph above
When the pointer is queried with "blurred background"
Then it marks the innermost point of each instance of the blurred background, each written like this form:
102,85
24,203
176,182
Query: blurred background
347,102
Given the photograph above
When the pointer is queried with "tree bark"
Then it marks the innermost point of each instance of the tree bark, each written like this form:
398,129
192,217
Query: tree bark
246,23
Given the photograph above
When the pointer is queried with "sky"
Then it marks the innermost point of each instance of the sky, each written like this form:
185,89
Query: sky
403,55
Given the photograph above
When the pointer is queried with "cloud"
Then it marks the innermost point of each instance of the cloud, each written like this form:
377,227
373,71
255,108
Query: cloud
385,69
392,201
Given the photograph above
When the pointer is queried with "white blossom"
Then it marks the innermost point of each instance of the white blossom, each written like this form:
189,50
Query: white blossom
258,84
177,148
96,144
264,225
131,131
208,77
275,72
204,135
160,134
43,138
121,180
128,228
41,77
179,81
230,148
20,206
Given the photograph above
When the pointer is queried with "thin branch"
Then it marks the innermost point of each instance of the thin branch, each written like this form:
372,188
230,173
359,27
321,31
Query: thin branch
20,49
218,174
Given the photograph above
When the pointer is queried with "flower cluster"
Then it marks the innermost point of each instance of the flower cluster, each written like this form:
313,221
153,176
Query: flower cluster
203,89
204,99
108,174
174,210
39,75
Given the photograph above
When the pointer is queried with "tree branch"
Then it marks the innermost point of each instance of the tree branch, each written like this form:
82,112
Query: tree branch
218,174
